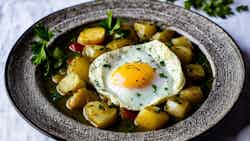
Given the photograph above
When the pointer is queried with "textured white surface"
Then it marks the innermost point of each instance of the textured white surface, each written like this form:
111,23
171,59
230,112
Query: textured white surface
17,15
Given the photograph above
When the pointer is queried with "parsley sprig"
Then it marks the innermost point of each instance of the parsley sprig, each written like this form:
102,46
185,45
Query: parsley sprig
39,48
113,26
214,8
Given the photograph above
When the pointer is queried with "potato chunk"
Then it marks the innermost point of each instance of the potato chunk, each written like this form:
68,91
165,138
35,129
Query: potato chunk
71,82
164,36
57,78
145,30
182,41
115,44
185,54
151,118
100,114
177,107
195,71
93,51
192,94
80,98
80,66
92,36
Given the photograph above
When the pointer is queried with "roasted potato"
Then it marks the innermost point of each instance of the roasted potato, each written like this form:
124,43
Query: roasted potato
71,82
80,98
92,36
151,118
57,78
93,51
177,107
80,66
192,94
195,71
118,43
132,34
145,30
182,41
164,36
185,54
100,114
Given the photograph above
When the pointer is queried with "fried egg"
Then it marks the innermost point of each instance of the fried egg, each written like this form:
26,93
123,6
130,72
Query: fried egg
137,76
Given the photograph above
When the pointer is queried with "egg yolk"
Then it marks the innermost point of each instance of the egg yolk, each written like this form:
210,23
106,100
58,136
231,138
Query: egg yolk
133,75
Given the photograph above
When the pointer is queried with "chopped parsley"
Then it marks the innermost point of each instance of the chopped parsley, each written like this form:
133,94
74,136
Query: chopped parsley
101,107
166,89
107,65
169,44
138,48
242,8
162,63
162,75
154,88
138,94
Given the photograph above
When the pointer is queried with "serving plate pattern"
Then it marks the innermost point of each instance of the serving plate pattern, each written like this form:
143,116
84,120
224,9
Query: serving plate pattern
26,92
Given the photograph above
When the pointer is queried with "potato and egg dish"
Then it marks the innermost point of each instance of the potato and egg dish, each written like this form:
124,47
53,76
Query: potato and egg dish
130,77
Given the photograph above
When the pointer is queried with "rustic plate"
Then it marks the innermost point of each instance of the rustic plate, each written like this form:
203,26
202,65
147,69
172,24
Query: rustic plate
26,93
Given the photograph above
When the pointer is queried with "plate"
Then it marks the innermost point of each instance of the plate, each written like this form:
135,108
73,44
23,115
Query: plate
27,94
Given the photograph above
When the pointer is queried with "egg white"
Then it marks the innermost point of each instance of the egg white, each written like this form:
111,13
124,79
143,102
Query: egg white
152,53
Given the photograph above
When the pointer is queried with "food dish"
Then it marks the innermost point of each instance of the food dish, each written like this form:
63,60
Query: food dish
126,73
201,32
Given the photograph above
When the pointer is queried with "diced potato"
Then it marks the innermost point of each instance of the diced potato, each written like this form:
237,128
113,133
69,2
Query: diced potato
92,36
177,107
192,94
100,114
71,82
185,54
115,44
80,66
151,118
57,78
195,71
145,30
93,51
80,98
164,36
182,41
132,34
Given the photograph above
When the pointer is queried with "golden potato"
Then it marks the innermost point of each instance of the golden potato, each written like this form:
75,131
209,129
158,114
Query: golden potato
80,66
177,107
71,82
57,78
195,71
151,118
80,98
192,94
182,41
145,30
92,36
185,54
115,44
93,51
164,36
100,114
132,34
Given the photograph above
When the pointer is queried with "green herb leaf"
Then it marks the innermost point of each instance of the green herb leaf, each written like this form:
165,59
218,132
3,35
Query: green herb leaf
154,88
138,94
55,97
107,65
242,8
162,63
162,75
43,32
40,57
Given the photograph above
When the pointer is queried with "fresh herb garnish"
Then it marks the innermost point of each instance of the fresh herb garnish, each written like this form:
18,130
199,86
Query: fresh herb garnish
162,75
154,88
214,8
162,63
107,65
40,51
55,97
138,94
113,26
166,89
100,106
242,8
169,44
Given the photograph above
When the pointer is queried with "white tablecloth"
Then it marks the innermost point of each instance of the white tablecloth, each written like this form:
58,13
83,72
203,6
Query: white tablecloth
17,15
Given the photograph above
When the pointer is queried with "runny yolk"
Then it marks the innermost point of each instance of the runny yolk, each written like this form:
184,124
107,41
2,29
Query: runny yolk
133,75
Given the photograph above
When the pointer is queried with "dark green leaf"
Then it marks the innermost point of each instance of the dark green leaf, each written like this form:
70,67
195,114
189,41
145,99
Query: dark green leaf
242,8
43,32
